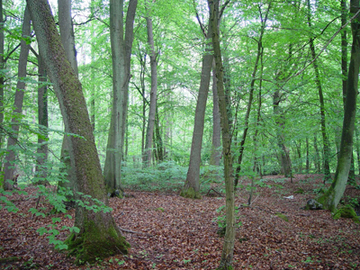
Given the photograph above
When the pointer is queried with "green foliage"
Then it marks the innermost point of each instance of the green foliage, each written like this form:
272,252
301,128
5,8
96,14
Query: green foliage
165,176
221,220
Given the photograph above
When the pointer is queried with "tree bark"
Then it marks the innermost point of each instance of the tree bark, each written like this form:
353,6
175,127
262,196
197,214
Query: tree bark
285,160
228,247
332,197
68,41
42,151
191,187
153,95
216,132
99,237
121,53
9,168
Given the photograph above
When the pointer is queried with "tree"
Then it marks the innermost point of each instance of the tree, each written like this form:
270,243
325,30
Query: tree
229,239
332,197
68,41
43,136
191,187
98,235
121,52
9,168
153,94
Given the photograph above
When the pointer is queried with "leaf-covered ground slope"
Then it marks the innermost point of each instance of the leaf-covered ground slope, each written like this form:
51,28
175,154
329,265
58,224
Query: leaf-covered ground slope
167,231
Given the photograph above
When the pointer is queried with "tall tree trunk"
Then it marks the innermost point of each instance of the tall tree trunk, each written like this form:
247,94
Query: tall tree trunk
99,235
229,239
344,63
285,160
153,94
326,145
18,104
42,150
332,197
158,140
191,187
216,132
251,94
121,53
68,42
192,184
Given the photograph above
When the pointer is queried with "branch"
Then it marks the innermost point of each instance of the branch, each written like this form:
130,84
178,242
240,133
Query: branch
326,45
223,8
198,18
11,52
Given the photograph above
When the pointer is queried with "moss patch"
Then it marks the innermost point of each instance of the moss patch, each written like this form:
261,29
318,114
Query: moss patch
282,216
346,212
94,244
190,193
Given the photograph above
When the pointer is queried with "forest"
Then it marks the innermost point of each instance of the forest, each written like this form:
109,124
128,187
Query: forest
144,134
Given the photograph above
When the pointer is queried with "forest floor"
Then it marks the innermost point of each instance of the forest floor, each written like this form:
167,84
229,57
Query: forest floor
167,231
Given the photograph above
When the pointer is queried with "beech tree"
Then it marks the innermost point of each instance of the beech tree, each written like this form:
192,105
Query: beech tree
68,41
332,197
229,239
153,94
9,168
98,235
191,187
121,45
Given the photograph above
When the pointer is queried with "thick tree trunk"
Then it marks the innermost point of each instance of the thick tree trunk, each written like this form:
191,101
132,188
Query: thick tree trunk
18,104
42,151
153,95
99,236
332,197
68,42
228,247
121,53
191,187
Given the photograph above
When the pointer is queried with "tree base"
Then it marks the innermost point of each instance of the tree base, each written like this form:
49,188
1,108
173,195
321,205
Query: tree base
190,193
346,212
94,245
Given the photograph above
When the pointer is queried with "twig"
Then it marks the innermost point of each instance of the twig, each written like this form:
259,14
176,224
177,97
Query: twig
212,189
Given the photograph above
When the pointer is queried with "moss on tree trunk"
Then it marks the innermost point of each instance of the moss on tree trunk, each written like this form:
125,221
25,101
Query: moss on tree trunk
96,240
190,192
99,236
